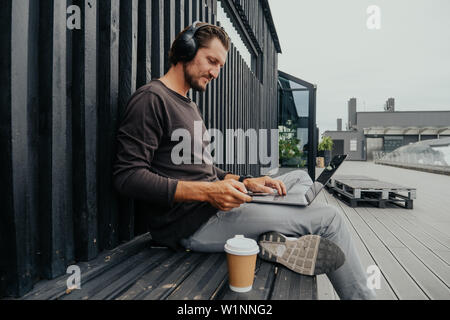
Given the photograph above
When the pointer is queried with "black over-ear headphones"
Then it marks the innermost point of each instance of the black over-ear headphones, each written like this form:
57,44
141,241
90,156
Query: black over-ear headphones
186,47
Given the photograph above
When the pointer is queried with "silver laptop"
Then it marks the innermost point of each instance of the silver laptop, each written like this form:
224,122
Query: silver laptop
310,193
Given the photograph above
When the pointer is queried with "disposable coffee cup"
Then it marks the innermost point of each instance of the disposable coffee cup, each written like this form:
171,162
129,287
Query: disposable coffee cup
241,260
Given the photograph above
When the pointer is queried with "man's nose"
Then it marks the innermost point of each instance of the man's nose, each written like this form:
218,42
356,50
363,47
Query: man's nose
214,73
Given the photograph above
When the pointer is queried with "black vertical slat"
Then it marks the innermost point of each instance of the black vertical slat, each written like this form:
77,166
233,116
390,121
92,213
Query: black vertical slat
188,13
240,113
69,221
179,16
108,95
219,115
203,96
33,143
212,87
53,157
15,229
195,17
127,86
225,107
237,125
144,45
84,123
214,8
207,17
234,110
201,7
245,116
169,30
157,58
230,149
247,111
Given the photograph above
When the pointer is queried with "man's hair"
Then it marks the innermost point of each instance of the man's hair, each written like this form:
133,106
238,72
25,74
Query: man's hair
203,37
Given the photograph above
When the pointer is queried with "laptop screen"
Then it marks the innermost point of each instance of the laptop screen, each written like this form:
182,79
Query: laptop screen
328,172
324,177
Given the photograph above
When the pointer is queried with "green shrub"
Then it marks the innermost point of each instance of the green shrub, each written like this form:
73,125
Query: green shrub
326,144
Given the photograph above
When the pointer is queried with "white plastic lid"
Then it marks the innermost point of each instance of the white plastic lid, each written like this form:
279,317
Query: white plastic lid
241,246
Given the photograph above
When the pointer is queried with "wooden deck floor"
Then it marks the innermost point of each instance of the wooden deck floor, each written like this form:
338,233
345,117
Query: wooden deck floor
136,271
411,247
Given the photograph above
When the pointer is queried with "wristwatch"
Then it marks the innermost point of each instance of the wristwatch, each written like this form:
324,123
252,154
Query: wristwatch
242,178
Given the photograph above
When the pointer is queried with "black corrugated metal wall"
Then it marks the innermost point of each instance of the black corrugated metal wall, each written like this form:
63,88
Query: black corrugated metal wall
62,94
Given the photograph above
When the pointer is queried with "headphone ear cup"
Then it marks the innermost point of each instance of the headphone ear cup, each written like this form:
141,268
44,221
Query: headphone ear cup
186,48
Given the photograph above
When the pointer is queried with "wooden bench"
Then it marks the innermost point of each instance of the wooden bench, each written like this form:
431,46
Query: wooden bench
138,271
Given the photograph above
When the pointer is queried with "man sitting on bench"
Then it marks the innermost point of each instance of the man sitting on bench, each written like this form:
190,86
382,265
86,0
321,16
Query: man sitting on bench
199,206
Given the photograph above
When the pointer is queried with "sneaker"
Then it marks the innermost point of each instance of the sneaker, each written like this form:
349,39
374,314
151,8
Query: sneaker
308,255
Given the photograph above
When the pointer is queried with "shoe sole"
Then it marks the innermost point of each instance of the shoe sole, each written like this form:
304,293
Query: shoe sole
308,255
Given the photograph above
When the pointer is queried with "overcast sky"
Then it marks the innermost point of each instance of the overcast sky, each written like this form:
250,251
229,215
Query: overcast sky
327,42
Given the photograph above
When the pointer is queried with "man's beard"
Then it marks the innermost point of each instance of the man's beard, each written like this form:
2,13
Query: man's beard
195,85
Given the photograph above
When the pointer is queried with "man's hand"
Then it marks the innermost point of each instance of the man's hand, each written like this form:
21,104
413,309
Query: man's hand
265,184
227,194
223,195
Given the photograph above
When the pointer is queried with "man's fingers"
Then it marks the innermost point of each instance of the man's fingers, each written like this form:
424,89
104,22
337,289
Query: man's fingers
278,185
239,185
283,187
262,188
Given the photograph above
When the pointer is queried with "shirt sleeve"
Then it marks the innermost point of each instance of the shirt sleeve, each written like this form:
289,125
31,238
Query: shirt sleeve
139,136
220,173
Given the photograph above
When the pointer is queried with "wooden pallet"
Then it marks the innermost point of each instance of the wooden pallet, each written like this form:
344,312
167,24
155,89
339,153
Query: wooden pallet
357,189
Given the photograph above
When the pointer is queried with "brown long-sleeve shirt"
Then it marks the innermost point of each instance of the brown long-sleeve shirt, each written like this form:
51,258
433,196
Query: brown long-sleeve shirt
145,170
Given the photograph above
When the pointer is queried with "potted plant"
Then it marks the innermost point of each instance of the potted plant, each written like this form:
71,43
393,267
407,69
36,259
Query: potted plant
326,145
290,153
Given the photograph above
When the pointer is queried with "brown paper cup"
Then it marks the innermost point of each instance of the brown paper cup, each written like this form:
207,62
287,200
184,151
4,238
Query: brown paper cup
241,272
241,261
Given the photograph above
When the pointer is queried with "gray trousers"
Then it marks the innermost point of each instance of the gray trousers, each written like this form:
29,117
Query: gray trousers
252,220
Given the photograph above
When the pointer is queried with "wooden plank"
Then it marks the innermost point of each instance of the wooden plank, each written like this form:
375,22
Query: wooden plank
127,86
144,45
53,144
179,16
168,277
429,257
55,289
366,257
325,290
33,153
264,278
430,284
204,281
425,227
157,66
143,76
400,281
293,286
234,109
84,130
227,102
188,13
15,226
126,280
434,288
101,281
108,94
169,30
